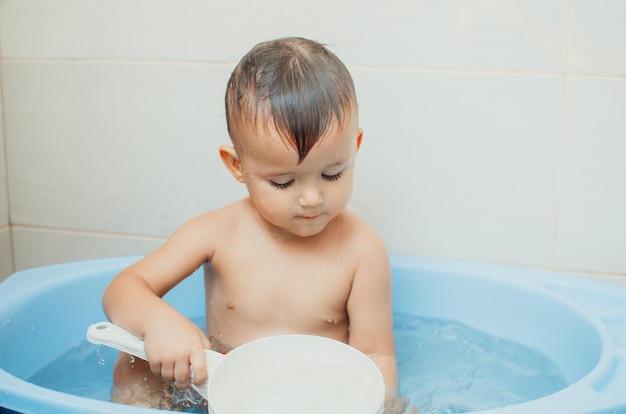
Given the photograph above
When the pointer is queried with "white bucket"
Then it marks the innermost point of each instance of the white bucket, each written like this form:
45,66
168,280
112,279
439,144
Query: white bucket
283,374
289,374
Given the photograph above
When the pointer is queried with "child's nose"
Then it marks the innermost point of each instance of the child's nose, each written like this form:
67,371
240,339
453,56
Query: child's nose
310,197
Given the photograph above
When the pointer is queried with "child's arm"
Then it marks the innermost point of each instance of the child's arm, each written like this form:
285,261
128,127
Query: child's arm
370,314
133,301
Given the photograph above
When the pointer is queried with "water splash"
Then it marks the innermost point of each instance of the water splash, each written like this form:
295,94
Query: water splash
187,399
101,361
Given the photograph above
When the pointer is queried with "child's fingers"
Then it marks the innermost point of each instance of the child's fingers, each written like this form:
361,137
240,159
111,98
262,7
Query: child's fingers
163,370
182,375
197,360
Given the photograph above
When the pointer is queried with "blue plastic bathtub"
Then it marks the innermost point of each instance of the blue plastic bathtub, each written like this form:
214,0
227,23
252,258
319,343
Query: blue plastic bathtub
579,324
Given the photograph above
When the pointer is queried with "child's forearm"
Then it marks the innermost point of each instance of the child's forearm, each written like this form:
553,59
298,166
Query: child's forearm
172,342
130,302
394,403
387,366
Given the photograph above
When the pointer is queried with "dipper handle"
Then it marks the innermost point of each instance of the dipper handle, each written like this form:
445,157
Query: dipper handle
114,336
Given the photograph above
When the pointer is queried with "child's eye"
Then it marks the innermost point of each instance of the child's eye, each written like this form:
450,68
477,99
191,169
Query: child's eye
281,186
333,177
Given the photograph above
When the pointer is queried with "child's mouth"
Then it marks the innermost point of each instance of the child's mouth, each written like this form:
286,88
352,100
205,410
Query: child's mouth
309,217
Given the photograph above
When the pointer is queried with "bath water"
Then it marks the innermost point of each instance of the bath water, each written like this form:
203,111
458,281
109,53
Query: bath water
443,367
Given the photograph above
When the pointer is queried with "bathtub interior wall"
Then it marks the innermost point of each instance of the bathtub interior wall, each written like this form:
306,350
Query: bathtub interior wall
51,316
500,306
478,117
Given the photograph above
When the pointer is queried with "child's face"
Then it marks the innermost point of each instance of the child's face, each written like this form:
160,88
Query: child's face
300,198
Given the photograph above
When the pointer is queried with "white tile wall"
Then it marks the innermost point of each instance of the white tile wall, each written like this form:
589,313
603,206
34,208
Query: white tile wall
117,147
6,248
464,166
528,35
4,203
597,38
493,129
592,218
180,30
6,257
39,247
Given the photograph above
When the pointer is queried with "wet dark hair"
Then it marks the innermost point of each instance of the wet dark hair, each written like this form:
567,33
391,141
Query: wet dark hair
297,84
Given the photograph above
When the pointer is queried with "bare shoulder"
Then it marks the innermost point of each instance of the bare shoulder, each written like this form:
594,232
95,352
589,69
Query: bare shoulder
223,217
207,230
366,245
191,245
363,237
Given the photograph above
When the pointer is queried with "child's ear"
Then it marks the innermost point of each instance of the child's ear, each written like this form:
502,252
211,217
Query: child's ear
359,138
230,158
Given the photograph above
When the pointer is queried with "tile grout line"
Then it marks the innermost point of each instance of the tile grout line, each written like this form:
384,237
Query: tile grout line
88,232
118,61
414,69
561,146
6,162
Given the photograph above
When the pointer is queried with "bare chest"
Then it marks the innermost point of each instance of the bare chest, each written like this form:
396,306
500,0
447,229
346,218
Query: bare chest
248,298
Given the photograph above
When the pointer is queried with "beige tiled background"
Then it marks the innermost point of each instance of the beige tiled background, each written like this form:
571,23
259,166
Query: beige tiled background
494,130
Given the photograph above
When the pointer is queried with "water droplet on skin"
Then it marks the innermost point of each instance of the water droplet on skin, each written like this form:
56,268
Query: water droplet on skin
131,358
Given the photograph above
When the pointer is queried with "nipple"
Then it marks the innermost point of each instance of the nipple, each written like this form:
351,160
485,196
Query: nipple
230,305
331,320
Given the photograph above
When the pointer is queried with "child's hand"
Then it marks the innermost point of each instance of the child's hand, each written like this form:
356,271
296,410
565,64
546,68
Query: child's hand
399,405
172,347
